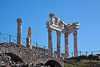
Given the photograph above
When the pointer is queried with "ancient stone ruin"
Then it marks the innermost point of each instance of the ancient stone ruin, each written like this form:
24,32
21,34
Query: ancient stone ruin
60,27
18,55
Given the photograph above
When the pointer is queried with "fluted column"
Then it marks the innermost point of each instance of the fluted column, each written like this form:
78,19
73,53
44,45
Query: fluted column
75,43
19,31
58,44
66,46
50,42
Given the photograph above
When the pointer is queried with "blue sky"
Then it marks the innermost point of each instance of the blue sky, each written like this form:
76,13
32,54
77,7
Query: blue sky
35,14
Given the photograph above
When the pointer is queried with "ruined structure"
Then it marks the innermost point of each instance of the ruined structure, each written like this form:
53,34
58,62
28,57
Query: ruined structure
13,55
60,27
18,55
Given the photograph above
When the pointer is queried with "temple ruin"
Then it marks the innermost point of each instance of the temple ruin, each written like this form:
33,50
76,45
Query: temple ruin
60,27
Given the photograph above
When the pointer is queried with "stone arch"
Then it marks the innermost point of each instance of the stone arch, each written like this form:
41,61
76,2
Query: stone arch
15,51
14,57
53,63
28,56
40,64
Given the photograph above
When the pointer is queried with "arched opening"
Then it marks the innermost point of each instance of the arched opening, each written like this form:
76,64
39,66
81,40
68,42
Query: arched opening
52,63
40,64
14,57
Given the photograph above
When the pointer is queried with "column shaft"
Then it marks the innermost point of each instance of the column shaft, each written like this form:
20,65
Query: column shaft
19,31
58,45
30,36
75,43
28,42
50,42
66,46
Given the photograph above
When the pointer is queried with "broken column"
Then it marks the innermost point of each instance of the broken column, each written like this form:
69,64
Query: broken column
50,42
75,43
30,34
28,45
29,38
66,46
58,44
19,31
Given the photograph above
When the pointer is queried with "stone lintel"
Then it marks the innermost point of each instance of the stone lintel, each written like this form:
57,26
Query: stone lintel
57,28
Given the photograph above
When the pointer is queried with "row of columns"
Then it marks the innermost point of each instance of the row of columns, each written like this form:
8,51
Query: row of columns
59,44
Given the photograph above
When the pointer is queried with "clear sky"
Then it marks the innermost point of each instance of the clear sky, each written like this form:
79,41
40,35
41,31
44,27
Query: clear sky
35,14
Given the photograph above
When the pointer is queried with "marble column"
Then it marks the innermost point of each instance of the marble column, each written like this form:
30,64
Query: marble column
50,42
19,31
30,35
75,43
58,44
66,46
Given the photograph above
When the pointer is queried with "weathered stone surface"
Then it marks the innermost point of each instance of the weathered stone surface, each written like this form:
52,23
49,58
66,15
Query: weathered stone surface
19,31
66,46
58,44
30,36
75,43
50,42
58,25
83,57
27,56
28,45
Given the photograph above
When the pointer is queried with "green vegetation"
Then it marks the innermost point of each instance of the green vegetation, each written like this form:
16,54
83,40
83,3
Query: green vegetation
83,63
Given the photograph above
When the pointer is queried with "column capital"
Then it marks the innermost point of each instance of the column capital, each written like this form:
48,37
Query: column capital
19,20
51,15
29,30
75,33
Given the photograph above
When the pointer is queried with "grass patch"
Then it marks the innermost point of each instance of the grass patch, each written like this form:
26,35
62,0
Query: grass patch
83,63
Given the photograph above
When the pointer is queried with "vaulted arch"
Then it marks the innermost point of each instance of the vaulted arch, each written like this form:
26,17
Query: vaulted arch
53,63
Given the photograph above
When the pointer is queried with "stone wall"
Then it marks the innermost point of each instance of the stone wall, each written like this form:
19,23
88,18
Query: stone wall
27,56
